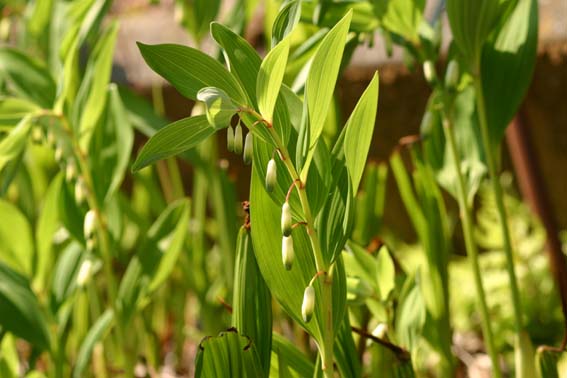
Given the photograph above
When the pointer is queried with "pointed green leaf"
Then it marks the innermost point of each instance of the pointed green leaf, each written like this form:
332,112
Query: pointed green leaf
323,75
95,335
29,78
21,313
286,20
16,242
402,17
14,143
173,139
189,70
507,67
270,79
13,109
359,128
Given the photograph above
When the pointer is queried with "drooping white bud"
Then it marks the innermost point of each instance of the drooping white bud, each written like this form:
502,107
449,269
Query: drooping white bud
51,138
238,139
91,244
380,331
37,134
271,175
59,153
429,72
287,252
248,149
230,139
89,226
70,170
286,219
80,190
85,273
452,75
308,304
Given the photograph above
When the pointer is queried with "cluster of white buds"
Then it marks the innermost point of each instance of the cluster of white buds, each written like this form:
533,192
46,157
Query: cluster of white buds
89,229
452,75
308,304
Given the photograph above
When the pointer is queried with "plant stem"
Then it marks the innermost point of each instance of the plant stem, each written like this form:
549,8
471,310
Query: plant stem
472,251
326,350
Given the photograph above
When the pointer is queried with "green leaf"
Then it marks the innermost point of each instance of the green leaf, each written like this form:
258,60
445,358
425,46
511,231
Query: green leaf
47,224
173,139
359,128
385,272
96,334
323,76
13,109
402,17
14,143
9,360
228,352
252,302
39,21
507,67
286,20
21,313
16,243
244,61
197,15
156,259
270,79
96,85
29,78
472,21
189,70
64,281
293,357
219,108
124,139
467,139
410,315
346,354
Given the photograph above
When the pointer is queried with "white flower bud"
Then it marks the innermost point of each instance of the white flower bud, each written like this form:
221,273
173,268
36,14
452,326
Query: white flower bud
308,304
452,75
248,147
51,139
37,134
286,219
429,72
91,244
80,190
70,170
89,225
271,175
380,331
287,252
85,273
238,139
59,153
230,139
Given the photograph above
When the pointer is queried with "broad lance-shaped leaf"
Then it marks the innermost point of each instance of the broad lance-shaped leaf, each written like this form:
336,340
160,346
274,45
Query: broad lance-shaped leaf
189,70
96,334
252,302
99,71
402,17
472,21
156,260
293,357
219,107
270,79
16,242
323,74
359,128
228,352
507,66
286,20
21,313
14,143
29,78
173,139
12,110
244,63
